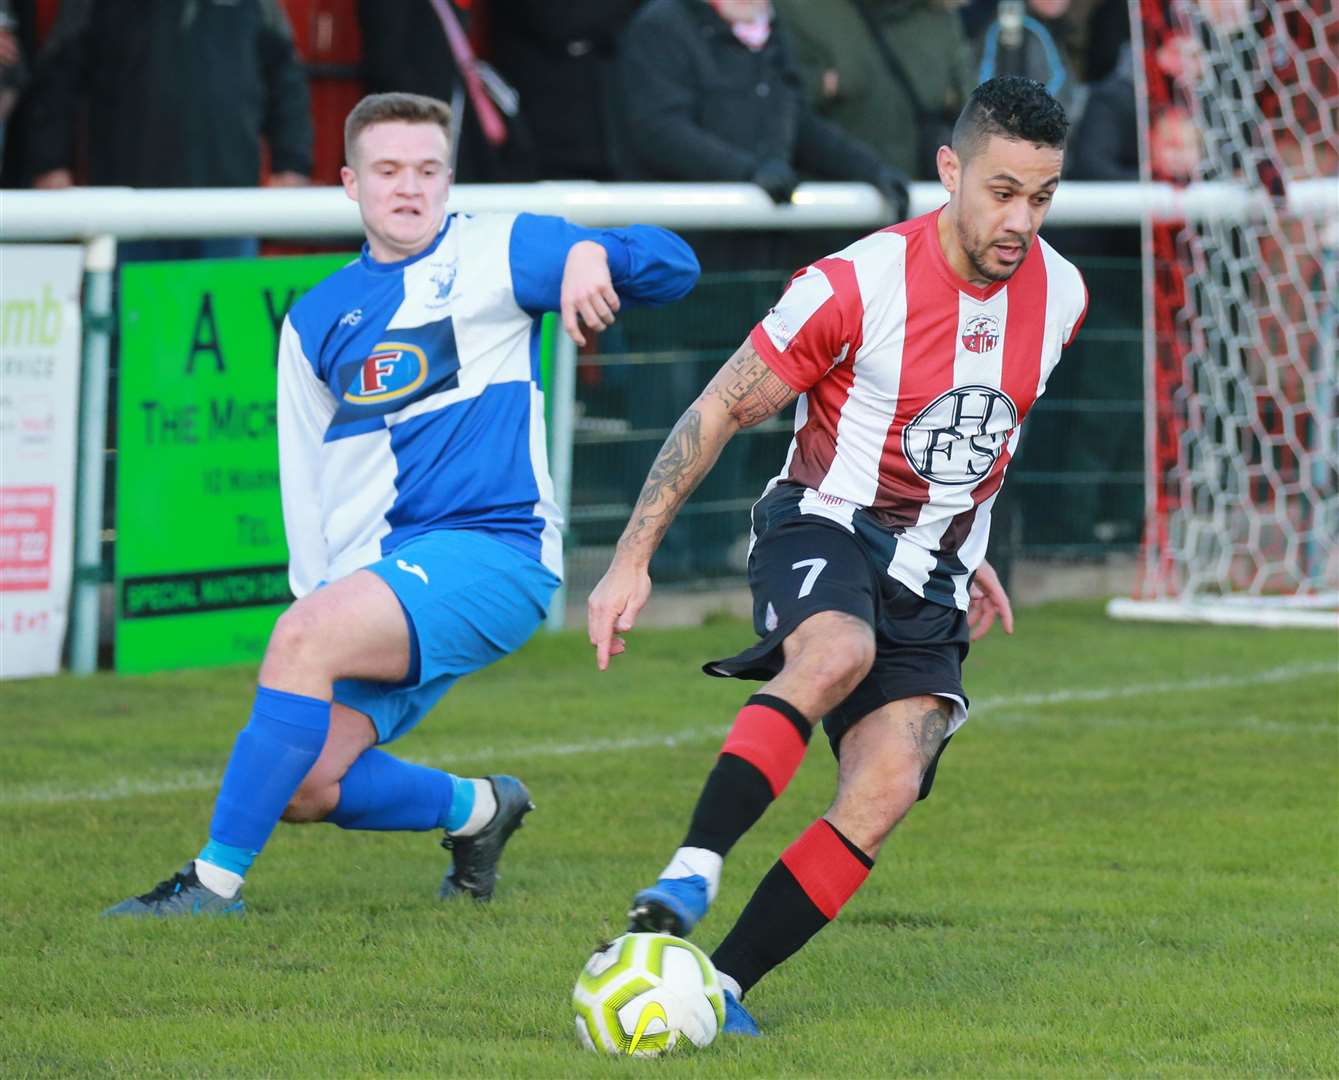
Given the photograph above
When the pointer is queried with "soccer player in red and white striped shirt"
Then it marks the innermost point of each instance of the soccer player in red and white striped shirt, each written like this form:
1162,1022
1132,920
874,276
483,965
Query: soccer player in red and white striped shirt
915,355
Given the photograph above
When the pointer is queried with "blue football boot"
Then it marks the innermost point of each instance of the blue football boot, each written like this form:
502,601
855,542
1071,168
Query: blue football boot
474,858
181,894
670,906
737,1018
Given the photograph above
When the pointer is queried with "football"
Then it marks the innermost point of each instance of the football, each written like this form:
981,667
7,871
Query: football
643,994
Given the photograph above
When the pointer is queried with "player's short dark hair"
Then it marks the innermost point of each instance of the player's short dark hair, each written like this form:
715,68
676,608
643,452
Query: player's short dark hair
384,108
1013,108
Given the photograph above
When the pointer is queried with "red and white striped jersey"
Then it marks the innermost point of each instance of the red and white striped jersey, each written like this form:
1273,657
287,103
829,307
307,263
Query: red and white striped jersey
914,386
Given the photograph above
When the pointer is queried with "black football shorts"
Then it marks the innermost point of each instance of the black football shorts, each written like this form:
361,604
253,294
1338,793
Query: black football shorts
802,564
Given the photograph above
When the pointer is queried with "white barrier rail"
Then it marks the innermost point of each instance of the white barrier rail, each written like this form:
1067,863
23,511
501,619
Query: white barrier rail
133,214
101,216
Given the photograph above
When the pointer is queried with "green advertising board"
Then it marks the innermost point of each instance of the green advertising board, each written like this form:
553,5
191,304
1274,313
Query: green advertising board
201,564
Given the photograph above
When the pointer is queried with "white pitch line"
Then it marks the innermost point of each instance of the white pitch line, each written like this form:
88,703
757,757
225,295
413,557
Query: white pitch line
1250,723
123,787
1114,693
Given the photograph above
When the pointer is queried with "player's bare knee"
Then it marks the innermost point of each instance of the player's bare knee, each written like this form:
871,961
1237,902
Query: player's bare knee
902,792
877,794
867,818
294,642
834,641
837,662
861,654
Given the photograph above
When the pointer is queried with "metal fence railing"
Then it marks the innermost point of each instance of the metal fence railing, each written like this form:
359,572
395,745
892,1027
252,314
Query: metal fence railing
1076,478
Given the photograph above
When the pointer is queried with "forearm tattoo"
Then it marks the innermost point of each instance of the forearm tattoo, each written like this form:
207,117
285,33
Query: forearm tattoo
676,471
927,731
750,391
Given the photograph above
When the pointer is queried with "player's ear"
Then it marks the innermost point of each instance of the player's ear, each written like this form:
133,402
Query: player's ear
950,168
349,179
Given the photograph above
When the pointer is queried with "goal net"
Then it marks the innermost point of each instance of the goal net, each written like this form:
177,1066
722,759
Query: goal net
1242,390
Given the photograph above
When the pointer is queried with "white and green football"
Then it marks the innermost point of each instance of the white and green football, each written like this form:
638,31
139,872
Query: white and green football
643,993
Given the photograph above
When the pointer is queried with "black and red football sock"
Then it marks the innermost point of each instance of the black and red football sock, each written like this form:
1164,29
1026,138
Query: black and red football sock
799,896
762,752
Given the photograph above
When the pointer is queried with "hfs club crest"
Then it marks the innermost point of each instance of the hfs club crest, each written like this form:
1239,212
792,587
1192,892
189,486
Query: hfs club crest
981,334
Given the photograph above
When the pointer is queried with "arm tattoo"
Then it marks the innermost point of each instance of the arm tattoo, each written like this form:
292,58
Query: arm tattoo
927,731
676,471
750,391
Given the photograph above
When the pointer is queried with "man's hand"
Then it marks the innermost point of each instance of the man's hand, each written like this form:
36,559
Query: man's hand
987,600
778,179
53,180
287,179
892,185
587,290
613,607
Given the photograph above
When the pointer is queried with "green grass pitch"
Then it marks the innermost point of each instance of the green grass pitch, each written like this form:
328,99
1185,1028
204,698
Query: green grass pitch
1129,867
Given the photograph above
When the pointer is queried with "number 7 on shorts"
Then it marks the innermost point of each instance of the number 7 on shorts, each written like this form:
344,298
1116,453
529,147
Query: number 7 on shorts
815,568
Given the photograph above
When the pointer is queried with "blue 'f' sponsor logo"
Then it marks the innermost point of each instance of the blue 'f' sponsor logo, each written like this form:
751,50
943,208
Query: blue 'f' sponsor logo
413,364
394,369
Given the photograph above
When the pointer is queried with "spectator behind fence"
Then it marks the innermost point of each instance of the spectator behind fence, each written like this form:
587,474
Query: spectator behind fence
1106,144
559,57
178,95
1102,29
406,50
709,90
1025,39
1090,32
893,73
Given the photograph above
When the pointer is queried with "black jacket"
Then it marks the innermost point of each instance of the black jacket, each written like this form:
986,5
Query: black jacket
1105,145
559,56
696,104
179,92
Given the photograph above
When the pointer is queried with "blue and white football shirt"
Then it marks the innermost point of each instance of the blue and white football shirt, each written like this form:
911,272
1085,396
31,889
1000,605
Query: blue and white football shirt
410,396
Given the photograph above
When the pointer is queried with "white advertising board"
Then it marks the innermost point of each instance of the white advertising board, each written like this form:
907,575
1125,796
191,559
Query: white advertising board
39,408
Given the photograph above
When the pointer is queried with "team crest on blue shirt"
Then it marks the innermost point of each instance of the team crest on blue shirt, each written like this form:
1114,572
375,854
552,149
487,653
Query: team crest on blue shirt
442,279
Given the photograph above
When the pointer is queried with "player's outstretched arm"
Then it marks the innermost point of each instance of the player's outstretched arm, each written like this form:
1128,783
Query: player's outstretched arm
743,393
987,601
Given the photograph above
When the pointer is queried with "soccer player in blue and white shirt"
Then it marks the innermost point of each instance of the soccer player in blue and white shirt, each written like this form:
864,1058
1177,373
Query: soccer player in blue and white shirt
423,535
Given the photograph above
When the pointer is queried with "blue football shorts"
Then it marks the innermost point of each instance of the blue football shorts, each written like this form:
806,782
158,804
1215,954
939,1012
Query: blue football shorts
469,600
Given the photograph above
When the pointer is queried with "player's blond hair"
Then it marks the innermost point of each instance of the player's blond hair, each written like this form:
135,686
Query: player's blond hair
384,108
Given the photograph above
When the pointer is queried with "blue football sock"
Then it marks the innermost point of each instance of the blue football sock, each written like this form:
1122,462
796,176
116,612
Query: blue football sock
270,758
236,859
382,792
462,806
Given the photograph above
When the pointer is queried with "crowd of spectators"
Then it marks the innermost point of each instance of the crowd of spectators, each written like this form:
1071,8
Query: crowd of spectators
214,93
168,93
